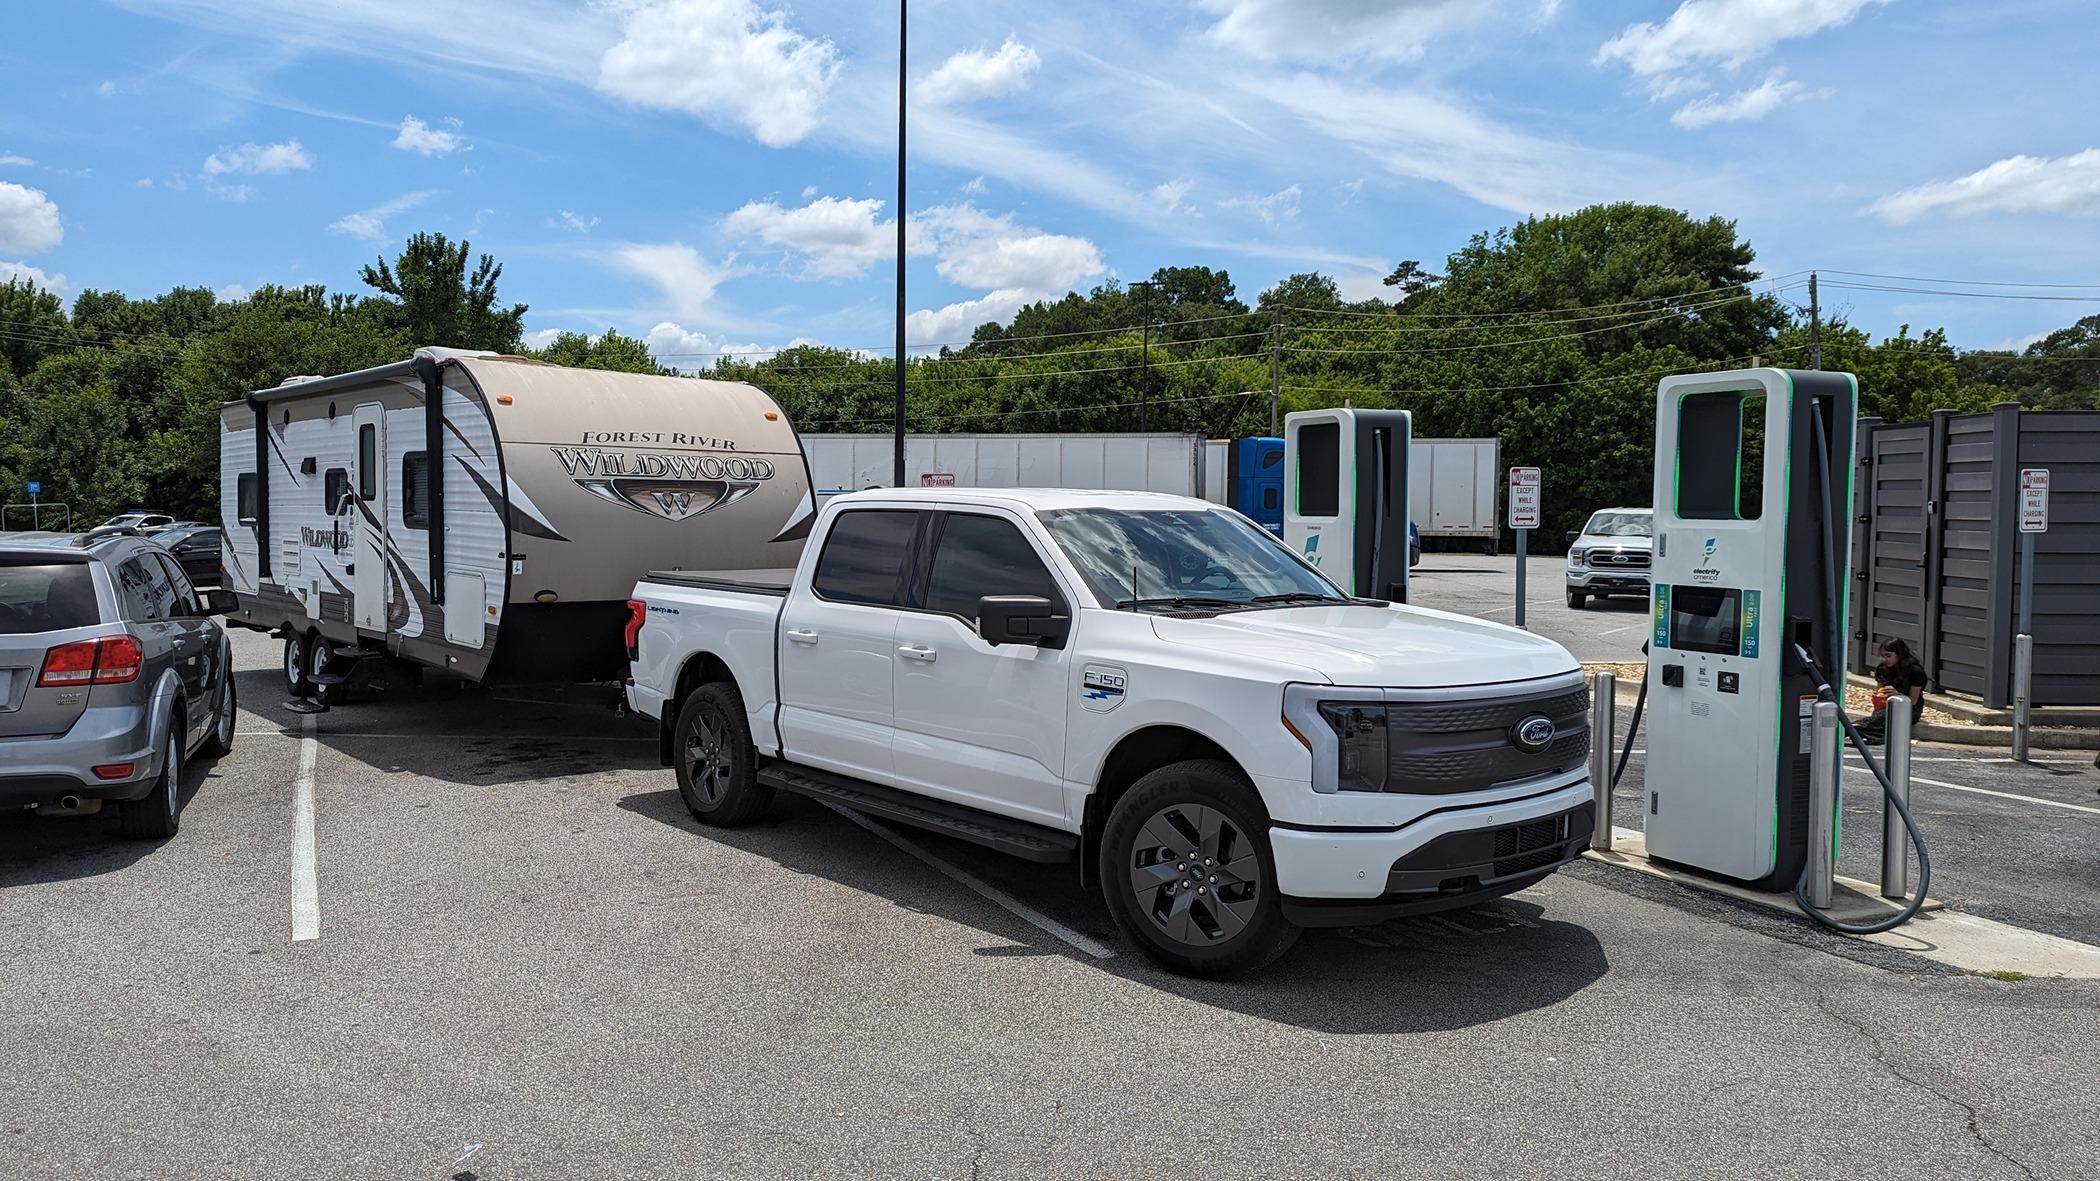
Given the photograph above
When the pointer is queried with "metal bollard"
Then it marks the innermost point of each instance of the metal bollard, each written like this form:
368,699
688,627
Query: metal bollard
1603,727
1895,839
2023,685
1823,756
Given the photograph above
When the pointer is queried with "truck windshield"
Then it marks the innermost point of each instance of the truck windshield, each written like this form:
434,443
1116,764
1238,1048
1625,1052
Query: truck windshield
1169,559
1620,525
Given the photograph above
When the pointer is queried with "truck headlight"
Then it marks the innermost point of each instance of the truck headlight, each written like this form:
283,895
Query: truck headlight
1576,557
1344,729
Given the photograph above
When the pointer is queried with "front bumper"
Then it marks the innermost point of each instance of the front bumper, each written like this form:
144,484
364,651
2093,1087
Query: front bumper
40,770
1442,860
1586,579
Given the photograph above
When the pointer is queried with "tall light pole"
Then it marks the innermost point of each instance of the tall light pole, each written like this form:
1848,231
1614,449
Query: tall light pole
902,92
1145,361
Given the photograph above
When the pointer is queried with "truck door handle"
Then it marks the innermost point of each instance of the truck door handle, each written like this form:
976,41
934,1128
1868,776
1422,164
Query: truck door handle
802,635
918,653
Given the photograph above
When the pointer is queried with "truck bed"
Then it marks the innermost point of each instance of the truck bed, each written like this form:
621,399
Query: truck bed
757,582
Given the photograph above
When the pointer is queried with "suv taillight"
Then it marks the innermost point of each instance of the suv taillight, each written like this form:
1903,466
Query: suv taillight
112,660
637,613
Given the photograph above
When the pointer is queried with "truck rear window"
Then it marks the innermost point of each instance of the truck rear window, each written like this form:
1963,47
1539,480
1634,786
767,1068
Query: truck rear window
45,597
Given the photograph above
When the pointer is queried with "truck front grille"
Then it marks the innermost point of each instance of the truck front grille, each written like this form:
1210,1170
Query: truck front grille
1444,748
1618,559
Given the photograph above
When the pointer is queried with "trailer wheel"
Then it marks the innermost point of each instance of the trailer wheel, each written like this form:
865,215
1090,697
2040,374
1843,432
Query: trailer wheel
296,667
716,763
1188,875
321,659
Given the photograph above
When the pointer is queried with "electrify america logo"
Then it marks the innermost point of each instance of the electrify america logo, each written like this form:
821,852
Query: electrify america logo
1706,572
672,485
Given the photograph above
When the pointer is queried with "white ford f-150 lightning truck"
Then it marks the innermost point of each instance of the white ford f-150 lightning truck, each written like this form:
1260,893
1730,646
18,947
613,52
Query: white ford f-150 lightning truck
1154,687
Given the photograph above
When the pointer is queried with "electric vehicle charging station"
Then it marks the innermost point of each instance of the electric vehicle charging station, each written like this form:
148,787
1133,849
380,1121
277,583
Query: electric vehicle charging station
1752,558
1346,509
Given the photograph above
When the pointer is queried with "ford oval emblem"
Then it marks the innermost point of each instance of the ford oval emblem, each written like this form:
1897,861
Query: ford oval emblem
1532,734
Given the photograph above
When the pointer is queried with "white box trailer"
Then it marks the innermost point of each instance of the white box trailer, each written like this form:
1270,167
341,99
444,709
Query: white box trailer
1453,486
1158,462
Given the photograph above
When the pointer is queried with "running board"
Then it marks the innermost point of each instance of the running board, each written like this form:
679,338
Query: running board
1030,842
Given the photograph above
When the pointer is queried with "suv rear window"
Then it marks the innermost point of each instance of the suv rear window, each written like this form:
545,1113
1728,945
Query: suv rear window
45,597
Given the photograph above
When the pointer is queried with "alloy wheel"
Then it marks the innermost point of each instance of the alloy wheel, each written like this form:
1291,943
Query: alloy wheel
707,757
1195,874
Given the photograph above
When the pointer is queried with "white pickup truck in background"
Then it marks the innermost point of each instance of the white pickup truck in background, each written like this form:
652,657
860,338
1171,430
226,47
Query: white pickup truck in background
1148,685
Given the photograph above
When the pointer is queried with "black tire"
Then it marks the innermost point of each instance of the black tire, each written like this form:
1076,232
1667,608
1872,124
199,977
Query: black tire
1576,599
1211,807
219,743
716,763
159,814
298,662
320,659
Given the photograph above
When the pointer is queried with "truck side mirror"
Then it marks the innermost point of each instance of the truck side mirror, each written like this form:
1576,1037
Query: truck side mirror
1574,535
1022,619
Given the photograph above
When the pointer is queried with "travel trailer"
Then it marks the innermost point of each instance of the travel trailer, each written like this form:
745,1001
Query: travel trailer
556,490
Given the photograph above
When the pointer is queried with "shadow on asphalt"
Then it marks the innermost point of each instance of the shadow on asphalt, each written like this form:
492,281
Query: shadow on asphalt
1442,972
40,849
1624,604
462,734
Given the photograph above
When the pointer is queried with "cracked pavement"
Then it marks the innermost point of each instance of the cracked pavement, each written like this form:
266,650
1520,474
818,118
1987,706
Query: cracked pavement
527,945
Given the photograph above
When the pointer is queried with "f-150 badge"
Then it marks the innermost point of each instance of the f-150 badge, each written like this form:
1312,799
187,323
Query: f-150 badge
1101,687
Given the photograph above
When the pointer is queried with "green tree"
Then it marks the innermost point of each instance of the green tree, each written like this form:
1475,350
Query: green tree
32,325
439,303
609,351
1903,378
1305,290
2061,371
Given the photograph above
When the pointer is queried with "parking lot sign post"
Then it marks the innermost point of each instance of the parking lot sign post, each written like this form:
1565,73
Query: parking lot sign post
1523,517
2034,518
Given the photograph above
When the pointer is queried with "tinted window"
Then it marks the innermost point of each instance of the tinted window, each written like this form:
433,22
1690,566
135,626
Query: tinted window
46,598
145,590
368,462
244,499
864,557
185,596
980,556
335,490
1320,469
415,490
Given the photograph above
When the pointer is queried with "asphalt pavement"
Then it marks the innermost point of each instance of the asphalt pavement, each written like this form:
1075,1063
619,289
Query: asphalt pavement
530,962
1486,586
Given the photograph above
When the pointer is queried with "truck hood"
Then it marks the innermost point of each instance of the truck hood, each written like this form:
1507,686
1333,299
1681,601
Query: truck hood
1589,540
1396,647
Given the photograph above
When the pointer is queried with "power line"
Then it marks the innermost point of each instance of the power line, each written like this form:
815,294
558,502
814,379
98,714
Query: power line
1960,282
1396,313
1966,294
1402,325
1466,348
1536,385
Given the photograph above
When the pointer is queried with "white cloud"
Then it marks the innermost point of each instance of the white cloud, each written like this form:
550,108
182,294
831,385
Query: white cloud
1281,205
540,338
1727,32
230,293
1745,106
1328,30
973,74
107,90
49,281
28,220
808,191
955,322
423,139
10,160
683,348
687,281
1169,195
725,61
259,159
839,237
577,223
982,250
370,224
973,187
2064,185
144,182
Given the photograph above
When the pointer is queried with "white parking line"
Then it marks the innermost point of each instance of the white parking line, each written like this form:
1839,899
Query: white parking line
1020,909
306,893
2003,795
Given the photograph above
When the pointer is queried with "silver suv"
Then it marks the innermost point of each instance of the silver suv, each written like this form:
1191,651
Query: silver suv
112,673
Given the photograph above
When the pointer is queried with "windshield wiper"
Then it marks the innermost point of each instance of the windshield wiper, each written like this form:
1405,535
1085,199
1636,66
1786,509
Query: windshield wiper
1178,602
1298,597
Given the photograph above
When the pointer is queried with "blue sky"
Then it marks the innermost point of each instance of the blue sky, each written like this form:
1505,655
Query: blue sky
719,174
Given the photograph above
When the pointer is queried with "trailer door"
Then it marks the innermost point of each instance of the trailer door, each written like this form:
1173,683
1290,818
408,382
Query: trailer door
368,580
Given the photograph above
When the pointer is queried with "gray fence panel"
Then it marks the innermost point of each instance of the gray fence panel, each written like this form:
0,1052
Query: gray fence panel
2067,557
1967,511
1892,558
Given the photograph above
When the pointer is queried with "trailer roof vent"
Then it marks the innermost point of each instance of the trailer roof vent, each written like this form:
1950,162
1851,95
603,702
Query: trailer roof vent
297,379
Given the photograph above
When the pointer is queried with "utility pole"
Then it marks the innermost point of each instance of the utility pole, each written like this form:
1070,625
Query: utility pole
1275,367
1815,326
1145,365
898,426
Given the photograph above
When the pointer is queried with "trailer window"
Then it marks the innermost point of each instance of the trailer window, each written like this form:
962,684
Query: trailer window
864,558
244,499
335,491
415,490
368,462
